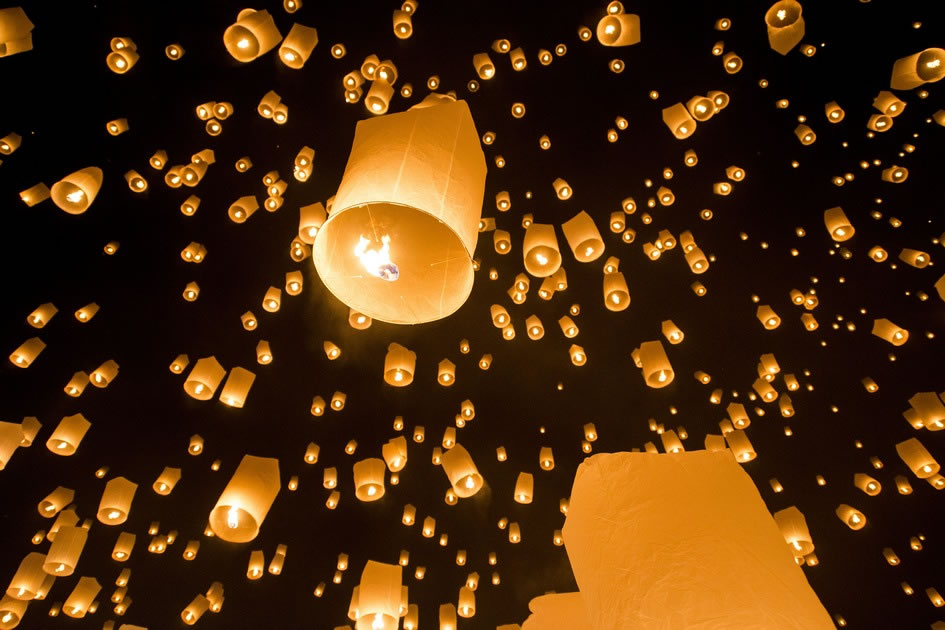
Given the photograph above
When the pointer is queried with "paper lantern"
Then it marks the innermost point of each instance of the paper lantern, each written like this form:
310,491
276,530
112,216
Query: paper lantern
461,471
785,25
15,37
29,577
376,602
446,373
298,45
338,400
246,499
35,194
851,517
115,504
534,328
680,123
741,447
68,434
484,66
166,481
616,293
236,388
834,112
399,365
253,34
80,600
115,127
121,60
27,352
909,72
540,250
793,527
867,484
104,374
524,488
204,378
583,237
621,29
395,454
369,479
55,501
805,134
123,547
701,108
399,218
885,329
657,372
636,500
914,454
64,552
578,356
242,208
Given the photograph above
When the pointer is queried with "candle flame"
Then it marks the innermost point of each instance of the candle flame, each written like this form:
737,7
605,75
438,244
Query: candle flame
377,262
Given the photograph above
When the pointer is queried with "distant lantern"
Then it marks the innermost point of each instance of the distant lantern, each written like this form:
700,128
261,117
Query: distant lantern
272,300
242,208
834,112
395,454
838,225
731,62
68,434
376,601
915,258
620,29
657,372
34,194
403,24
851,517
679,121
55,501
534,328
338,401
793,527
524,488
616,293
64,552
396,220
909,72
701,108
742,449
74,193
768,318
578,356
204,378
885,329
82,598
671,331
115,504
121,59
114,127
484,66
583,237
446,373
246,499
27,352
785,25
867,484
237,386
166,481
805,134
461,471
562,189
298,45
253,34
914,454
399,365
369,479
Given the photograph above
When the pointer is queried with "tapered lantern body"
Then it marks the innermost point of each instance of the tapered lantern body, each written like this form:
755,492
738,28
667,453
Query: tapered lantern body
637,500
68,434
461,471
369,479
399,365
540,250
621,29
917,458
838,225
298,45
922,67
116,500
64,552
253,34
398,243
785,25
80,599
244,503
75,193
236,387
583,237
377,599
657,372
204,378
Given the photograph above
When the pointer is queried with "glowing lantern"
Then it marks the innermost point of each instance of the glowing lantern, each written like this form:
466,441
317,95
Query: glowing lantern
369,479
116,500
867,484
253,34
680,123
915,258
917,458
80,600
68,434
246,499
243,208
236,388
834,112
619,29
399,365
446,373
524,488
34,194
923,67
27,352
395,454
701,108
793,527
652,360
298,45
616,293
64,552
885,329
805,134
484,66
123,56
272,300
204,378
74,193
785,25
583,237
461,471
740,445
416,220
851,517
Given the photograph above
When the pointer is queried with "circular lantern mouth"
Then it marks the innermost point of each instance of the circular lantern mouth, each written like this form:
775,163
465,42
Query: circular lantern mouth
241,43
783,14
931,65
427,277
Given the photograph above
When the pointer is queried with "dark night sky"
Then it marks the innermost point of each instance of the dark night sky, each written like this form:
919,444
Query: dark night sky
59,96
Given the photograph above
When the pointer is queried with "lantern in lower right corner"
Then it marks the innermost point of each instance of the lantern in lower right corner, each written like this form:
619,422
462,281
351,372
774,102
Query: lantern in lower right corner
246,499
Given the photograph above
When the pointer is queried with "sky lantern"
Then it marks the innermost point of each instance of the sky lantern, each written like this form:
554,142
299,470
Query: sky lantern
246,499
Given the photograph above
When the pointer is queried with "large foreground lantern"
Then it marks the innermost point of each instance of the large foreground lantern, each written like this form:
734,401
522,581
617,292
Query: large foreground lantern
246,500
398,244
722,560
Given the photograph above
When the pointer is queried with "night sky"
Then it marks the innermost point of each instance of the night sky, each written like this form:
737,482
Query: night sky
60,95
